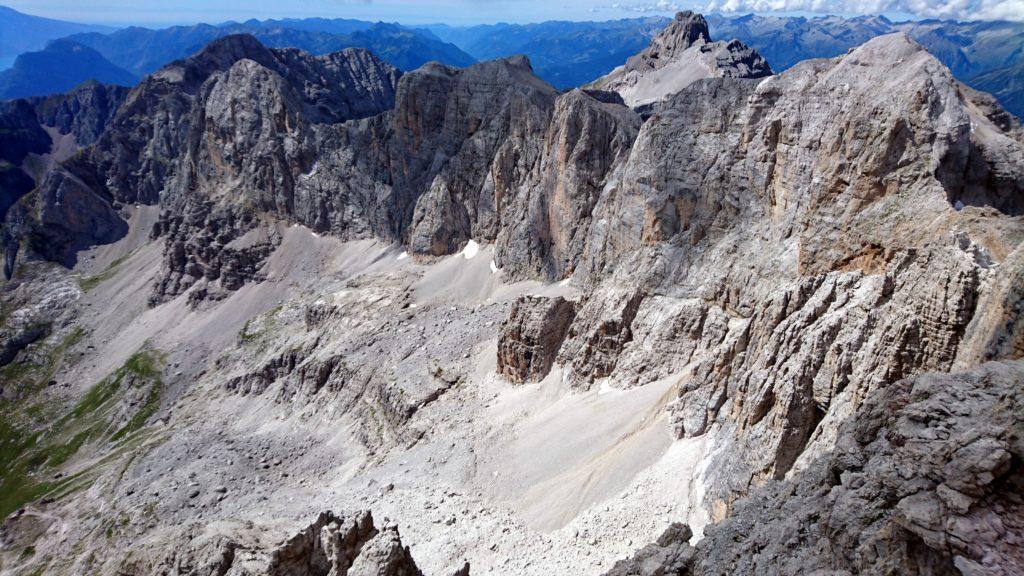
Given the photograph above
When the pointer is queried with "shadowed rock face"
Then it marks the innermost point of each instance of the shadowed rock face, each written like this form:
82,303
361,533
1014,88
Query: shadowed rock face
22,135
83,112
531,337
925,479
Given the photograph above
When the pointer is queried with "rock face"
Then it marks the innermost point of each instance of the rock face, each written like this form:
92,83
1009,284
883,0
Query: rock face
487,128
924,479
679,56
671,553
22,136
545,221
787,264
84,112
531,336
80,115
217,139
331,545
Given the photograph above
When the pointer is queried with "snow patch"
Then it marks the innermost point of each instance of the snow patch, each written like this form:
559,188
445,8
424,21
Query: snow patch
402,256
494,267
471,249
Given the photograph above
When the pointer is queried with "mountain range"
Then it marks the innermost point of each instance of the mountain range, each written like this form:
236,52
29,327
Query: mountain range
143,50
274,313
123,56
566,54
20,33
58,68
569,54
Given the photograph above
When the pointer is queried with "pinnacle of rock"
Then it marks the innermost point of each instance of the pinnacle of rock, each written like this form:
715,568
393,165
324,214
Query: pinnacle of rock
685,30
679,55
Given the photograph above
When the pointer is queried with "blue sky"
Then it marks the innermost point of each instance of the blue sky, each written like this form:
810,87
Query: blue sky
151,12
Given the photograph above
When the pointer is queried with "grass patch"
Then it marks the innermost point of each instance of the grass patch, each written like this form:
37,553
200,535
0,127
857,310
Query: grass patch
139,419
28,459
258,327
90,283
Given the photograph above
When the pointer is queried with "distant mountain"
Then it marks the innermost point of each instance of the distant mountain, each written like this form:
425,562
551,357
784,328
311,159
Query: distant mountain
970,48
566,54
1006,84
61,66
784,41
329,25
569,54
24,33
143,50
967,48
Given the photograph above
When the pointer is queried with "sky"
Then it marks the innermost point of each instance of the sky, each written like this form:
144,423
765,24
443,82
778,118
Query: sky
460,12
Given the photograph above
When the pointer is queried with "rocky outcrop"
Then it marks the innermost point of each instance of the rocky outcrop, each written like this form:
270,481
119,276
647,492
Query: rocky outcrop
331,545
546,219
925,479
467,149
216,139
671,553
531,336
601,331
83,112
679,56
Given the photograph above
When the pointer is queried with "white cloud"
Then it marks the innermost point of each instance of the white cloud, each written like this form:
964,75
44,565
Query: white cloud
660,6
957,9
954,9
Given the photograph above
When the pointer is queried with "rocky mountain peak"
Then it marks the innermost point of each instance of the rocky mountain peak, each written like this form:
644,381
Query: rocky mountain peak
520,61
678,56
687,28
222,53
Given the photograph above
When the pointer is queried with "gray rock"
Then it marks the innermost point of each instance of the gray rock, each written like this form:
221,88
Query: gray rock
679,55
920,482
671,553
531,337
330,545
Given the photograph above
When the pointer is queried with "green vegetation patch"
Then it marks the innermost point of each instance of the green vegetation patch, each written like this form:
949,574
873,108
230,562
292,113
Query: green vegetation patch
90,283
258,328
29,459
